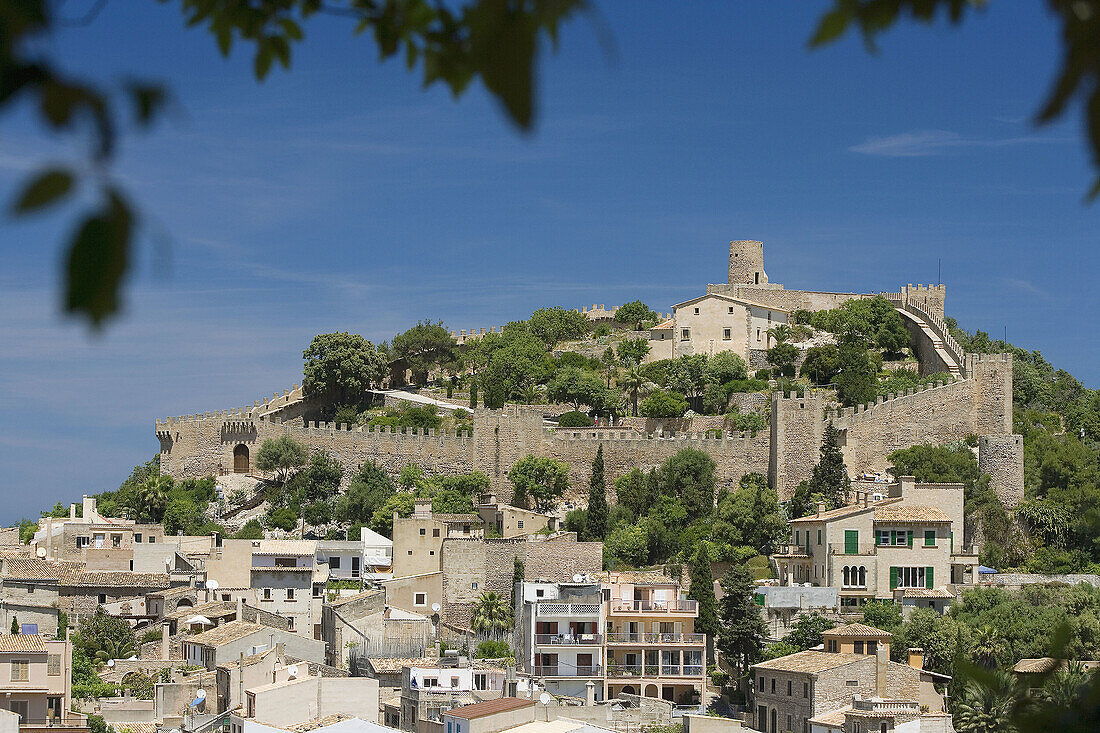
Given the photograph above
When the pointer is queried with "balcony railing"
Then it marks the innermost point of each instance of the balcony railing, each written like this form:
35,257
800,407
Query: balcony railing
568,639
655,638
567,670
965,551
654,670
789,550
655,606
840,548
567,609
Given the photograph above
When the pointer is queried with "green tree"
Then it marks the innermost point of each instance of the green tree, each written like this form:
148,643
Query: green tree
633,382
321,478
986,706
368,490
381,519
725,366
554,325
627,544
610,364
14,625
750,516
153,498
829,481
537,479
578,387
688,476
782,357
281,455
633,351
634,314
986,646
252,530
688,375
423,347
702,591
596,528
855,380
102,632
341,367
741,628
450,501
885,616
633,491
807,631
663,404
491,614
283,518
822,364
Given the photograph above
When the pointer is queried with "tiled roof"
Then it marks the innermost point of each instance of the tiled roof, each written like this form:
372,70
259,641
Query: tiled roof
838,513
211,609
357,597
855,630
832,718
638,577
663,325
33,568
910,513
811,661
285,547
927,593
453,518
121,579
489,707
30,643
389,665
225,633
1042,664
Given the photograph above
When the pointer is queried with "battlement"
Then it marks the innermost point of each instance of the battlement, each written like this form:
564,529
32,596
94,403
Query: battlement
988,358
934,322
863,410
258,408
332,427
600,435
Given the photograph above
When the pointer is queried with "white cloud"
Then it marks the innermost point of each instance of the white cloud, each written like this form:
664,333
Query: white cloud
921,143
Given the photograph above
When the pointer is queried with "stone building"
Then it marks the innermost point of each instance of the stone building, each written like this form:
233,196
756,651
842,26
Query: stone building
907,539
226,643
102,543
790,691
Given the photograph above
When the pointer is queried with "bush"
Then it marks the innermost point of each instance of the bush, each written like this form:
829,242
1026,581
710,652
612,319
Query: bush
282,518
663,404
763,374
252,530
575,419
493,650
601,330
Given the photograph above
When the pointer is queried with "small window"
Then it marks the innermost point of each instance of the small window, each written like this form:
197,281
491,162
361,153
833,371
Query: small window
152,540
473,585
137,538
696,311
423,531
435,532
290,594
929,538
102,598
519,524
20,670
267,594
334,563
758,334
540,593
685,334
872,647
773,684
410,552
81,542
466,529
727,334
789,693
116,540
731,309
819,536
30,589
761,684
431,552
857,647
806,689
420,599
285,562
851,683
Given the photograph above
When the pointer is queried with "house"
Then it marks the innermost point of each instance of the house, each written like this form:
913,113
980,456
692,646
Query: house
492,716
783,605
790,691
363,625
560,639
81,591
427,692
884,546
418,538
226,643
299,699
507,521
713,323
877,714
368,558
103,543
35,682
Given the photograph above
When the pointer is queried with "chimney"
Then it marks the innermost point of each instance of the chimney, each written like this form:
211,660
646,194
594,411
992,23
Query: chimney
916,657
866,498
820,508
240,608
165,644
72,511
882,661
89,507
422,507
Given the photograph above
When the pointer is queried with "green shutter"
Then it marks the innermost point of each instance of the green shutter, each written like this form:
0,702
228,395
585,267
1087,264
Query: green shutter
929,538
909,538
928,582
893,578
851,542
952,543
759,599
797,538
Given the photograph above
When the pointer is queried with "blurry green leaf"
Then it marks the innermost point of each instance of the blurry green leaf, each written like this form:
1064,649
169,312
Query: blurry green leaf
48,188
263,60
293,30
98,259
831,27
147,100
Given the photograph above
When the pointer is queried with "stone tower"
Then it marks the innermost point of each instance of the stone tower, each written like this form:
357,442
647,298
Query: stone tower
796,435
1002,457
747,263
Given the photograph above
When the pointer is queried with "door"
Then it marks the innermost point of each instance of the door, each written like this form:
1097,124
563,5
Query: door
584,665
355,567
240,459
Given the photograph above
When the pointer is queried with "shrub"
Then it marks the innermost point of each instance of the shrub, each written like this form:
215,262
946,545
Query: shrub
601,330
282,518
763,374
575,419
493,650
663,404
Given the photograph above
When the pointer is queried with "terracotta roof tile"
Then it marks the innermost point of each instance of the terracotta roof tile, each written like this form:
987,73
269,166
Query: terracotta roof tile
910,513
1029,666
489,707
392,665
927,593
812,661
30,643
224,634
858,630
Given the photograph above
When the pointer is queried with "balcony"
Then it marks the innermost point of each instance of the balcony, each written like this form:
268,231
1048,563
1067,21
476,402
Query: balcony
655,638
650,607
567,609
793,551
567,670
568,639
653,670
840,548
967,552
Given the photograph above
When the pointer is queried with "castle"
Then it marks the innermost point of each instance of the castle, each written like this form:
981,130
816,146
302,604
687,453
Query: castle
978,401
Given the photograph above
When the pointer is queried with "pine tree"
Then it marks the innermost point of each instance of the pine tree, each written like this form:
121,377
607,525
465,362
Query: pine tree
702,590
829,478
14,625
596,527
741,629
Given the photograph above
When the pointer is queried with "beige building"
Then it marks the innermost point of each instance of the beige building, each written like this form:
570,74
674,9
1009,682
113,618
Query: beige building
418,539
492,716
428,693
299,699
226,643
903,540
790,691
103,543
507,521
363,625
712,323
35,682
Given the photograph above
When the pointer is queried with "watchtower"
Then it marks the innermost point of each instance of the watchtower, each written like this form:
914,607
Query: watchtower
747,263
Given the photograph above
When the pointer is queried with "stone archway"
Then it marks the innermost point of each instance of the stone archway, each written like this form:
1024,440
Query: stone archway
184,603
240,458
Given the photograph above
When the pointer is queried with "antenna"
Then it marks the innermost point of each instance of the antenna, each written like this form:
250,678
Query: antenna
41,552
212,584
939,271
544,698
436,607
578,578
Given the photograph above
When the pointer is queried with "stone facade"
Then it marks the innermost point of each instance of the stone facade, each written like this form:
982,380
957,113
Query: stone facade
1002,457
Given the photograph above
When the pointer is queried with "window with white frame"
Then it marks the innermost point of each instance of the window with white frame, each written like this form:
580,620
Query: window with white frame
420,599
911,577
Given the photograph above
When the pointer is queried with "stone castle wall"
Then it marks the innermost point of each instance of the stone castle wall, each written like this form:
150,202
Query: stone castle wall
1002,457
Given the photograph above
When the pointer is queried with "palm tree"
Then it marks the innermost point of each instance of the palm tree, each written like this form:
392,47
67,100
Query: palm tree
986,707
491,614
611,363
113,649
632,382
1063,689
780,333
987,645
153,495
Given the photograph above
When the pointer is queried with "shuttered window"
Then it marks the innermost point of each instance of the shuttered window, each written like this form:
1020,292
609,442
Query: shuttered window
851,541
893,578
929,538
53,665
928,578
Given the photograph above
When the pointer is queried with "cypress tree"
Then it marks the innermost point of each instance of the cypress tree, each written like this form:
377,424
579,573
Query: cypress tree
702,590
829,478
14,625
741,629
473,392
596,528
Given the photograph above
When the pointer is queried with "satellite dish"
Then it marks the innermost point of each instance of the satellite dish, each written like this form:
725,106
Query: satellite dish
578,578
110,662
436,607
544,698
292,671
174,730
200,694
41,552
212,584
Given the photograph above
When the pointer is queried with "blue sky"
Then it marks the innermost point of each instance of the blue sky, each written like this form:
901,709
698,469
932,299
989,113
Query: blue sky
340,196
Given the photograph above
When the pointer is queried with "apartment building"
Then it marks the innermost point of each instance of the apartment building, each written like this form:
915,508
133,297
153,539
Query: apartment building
907,542
35,682
428,692
227,643
627,632
790,692
368,558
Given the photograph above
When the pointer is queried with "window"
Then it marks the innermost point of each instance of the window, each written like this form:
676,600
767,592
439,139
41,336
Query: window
431,552
431,682
831,646
267,594
819,536
410,552
519,524
131,566
789,686
137,538
290,594
20,669
685,334
116,540
773,684
30,589
789,723
334,563
727,334
435,532
761,684
910,577
424,532
53,665
152,540
81,542
872,647
806,689
539,593
696,311
102,598
473,585
857,647
19,707
285,562
929,538
481,682
851,683
731,309
420,599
